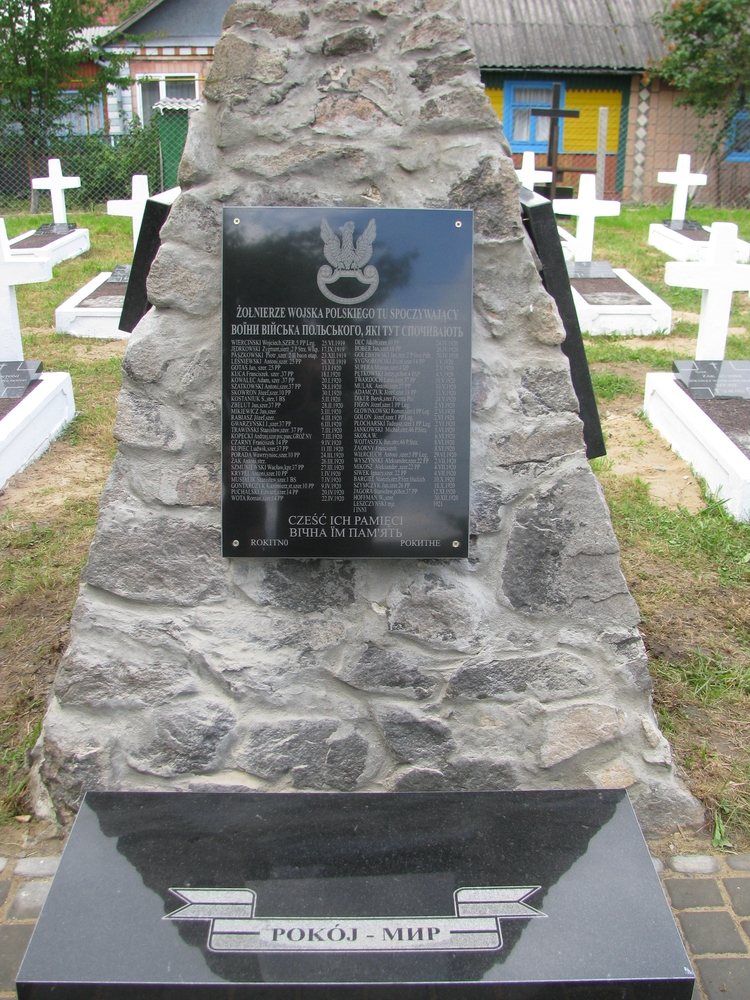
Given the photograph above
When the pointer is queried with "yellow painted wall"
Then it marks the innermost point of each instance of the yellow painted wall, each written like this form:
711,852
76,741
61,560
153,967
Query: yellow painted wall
580,134
496,100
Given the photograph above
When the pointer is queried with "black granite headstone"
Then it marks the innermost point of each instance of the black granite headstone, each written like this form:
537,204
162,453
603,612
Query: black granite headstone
346,382
17,376
714,379
424,896
541,225
45,234
136,303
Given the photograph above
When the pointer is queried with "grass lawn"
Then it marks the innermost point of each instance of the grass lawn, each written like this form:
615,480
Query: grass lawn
689,572
46,525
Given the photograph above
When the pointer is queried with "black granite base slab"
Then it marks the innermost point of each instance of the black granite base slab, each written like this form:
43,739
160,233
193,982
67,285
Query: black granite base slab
503,895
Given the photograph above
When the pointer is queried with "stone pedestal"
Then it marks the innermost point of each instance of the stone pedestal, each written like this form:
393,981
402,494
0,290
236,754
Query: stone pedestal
521,666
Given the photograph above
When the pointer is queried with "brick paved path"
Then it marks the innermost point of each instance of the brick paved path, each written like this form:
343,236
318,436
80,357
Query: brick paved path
709,895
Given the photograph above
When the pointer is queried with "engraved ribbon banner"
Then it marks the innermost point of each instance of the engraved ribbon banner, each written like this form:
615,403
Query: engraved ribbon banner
475,926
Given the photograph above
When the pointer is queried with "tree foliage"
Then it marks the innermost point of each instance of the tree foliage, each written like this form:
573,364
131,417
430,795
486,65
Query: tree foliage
42,51
50,67
708,60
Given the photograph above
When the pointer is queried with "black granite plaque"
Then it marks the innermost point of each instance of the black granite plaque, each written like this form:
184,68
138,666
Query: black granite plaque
423,896
17,376
689,228
541,225
346,382
45,234
111,293
714,379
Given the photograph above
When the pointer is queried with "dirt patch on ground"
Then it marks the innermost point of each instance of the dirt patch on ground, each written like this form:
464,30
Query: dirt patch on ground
82,348
635,449
63,474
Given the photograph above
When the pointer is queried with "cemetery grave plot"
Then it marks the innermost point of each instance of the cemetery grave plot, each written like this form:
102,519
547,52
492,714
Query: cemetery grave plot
53,241
678,237
58,240
607,300
94,310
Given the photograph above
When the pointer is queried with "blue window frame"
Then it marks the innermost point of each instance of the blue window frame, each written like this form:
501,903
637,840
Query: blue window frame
524,130
738,139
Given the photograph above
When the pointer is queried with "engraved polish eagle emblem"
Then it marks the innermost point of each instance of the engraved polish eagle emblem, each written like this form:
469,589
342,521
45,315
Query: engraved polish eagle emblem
347,260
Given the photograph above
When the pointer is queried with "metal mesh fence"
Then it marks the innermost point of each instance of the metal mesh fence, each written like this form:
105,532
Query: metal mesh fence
105,163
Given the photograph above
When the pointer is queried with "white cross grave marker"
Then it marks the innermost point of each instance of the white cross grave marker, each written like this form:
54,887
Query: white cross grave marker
15,272
135,206
588,208
719,277
528,175
56,184
682,180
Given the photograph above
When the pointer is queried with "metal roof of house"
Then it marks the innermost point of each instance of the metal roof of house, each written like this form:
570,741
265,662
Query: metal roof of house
578,35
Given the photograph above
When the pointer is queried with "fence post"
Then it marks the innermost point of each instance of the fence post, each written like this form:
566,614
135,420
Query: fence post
601,152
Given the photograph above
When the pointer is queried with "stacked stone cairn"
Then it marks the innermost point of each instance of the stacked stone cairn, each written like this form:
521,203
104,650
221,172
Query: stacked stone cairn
520,667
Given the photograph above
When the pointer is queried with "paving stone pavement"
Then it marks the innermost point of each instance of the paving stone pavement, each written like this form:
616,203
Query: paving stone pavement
709,896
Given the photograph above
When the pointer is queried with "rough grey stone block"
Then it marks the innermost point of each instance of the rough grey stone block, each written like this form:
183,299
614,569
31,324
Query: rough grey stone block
14,939
36,867
380,670
187,739
3,863
28,900
694,864
711,933
739,862
547,676
739,893
308,751
143,557
689,893
466,775
725,978
309,585
414,737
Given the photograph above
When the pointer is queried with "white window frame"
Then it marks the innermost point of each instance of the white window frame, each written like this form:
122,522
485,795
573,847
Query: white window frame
161,79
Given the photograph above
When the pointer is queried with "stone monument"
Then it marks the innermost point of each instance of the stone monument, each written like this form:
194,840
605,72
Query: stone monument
519,667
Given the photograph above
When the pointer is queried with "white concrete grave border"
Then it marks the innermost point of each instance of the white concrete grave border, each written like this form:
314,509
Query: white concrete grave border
100,322
73,244
34,422
694,436
635,320
672,242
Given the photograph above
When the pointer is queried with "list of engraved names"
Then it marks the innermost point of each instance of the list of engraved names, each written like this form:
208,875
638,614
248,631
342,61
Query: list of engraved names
388,374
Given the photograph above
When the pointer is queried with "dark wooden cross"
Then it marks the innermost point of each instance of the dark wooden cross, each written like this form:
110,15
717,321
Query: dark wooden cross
555,113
